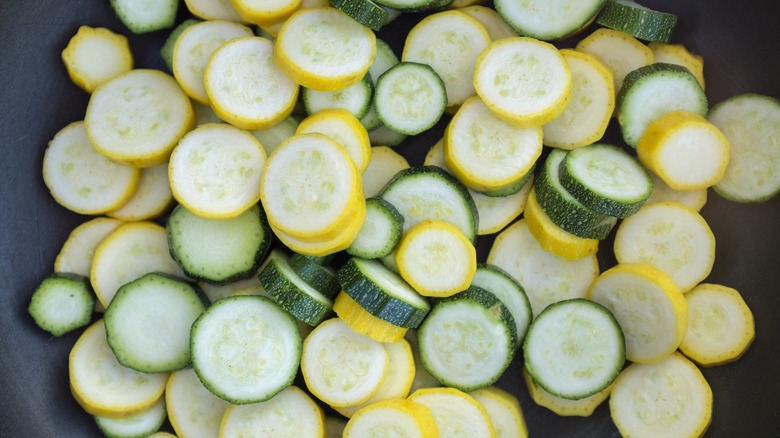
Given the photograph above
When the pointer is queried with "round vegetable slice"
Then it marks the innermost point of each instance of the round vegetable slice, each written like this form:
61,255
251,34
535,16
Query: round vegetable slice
215,171
524,81
720,325
82,179
669,398
751,122
574,348
436,259
290,413
245,349
138,117
685,150
670,237
101,385
649,307
324,49
340,366
94,55
148,322
245,87
393,414
311,188
630,17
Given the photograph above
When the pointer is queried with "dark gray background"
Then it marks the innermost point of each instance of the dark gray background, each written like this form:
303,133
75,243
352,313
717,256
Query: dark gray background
740,45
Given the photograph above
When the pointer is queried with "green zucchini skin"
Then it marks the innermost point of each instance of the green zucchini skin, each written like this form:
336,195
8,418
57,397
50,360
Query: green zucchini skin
564,209
319,276
365,12
628,17
386,99
291,292
358,280
208,249
590,193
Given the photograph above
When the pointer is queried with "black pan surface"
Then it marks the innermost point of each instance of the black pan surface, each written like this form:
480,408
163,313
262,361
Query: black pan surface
741,48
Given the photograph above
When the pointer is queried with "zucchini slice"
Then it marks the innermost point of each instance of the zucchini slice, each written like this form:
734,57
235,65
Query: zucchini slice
650,92
449,42
751,122
642,388
317,274
428,192
546,277
410,97
392,414
630,17
357,98
245,349
657,330
143,423
524,81
574,348
365,12
455,412
148,322
138,117
361,321
606,178
583,407
504,411
101,385
324,49
62,303
194,47
192,409
671,237
342,367
400,375
381,231
486,153
468,340
291,292
436,259
498,282
216,169
382,292
244,85
720,325
685,150
219,251
548,20
291,412
562,208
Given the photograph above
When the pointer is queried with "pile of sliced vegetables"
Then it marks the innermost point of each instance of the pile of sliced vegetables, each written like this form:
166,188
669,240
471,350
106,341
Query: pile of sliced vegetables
227,257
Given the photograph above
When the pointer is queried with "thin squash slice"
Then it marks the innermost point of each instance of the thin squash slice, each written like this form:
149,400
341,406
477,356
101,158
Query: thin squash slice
669,398
649,307
324,49
720,325
685,150
94,55
525,82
